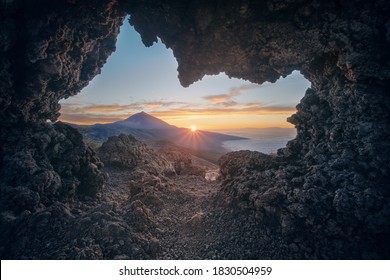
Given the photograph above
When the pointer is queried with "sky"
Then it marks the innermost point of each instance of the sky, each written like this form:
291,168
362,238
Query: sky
136,78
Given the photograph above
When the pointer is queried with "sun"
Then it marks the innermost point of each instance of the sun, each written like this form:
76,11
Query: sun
194,128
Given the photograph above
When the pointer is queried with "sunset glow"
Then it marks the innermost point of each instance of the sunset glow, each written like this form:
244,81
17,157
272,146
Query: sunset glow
193,128
145,79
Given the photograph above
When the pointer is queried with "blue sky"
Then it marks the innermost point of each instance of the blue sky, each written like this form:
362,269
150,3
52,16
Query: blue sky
136,78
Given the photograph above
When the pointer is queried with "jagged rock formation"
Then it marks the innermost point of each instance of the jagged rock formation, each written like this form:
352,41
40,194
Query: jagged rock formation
329,186
124,151
316,217
51,53
45,164
56,232
181,159
46,54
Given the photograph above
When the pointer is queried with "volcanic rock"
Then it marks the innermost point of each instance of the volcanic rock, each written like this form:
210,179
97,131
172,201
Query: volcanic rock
125,151
326,194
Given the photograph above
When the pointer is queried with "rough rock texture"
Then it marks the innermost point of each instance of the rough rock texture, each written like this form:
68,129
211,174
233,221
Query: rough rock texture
330,185
45,168
327,192
319,211
47,163
51,53
124,151
181,159
46,54
63,211
100,230
263,40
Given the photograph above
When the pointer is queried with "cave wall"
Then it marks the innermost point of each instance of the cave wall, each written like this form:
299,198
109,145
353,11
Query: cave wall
49,50
329,186
51,53
46,54
327,191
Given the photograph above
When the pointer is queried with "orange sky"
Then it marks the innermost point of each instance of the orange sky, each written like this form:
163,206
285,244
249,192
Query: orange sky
210,122
204,118
136,79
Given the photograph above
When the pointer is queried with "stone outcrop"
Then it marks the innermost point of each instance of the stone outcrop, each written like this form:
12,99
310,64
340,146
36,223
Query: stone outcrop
326,192
45,164
313,208
124,151
181,159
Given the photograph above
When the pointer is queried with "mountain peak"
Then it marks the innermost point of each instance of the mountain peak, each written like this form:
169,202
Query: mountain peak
143,120
140,114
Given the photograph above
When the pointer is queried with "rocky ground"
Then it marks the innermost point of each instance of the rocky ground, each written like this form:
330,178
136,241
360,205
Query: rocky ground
156,203
191,218
160,202
188,216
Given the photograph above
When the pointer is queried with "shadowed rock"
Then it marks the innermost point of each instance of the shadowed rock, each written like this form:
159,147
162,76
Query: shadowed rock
124,151
326,193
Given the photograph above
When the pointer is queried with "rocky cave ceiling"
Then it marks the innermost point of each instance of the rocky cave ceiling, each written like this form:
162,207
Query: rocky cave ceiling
59,48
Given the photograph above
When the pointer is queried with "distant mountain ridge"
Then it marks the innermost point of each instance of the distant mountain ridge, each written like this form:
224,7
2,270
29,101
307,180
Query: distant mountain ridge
145,127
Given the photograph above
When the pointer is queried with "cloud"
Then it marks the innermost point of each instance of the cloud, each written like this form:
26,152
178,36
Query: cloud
90,119
81,113
79,108
161,104
111,108
91,113
241,109
220,98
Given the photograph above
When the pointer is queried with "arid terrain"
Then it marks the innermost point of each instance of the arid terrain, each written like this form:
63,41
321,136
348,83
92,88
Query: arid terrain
191,218
188,216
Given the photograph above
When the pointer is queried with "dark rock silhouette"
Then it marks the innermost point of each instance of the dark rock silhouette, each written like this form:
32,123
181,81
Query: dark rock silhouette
124,151
183,162
46,164
322,219
324,196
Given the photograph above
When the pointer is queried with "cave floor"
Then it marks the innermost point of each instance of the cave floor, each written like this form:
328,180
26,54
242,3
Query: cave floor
187,222
194,219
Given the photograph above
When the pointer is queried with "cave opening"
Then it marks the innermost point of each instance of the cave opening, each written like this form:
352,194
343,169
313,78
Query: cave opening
139,79
325,196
